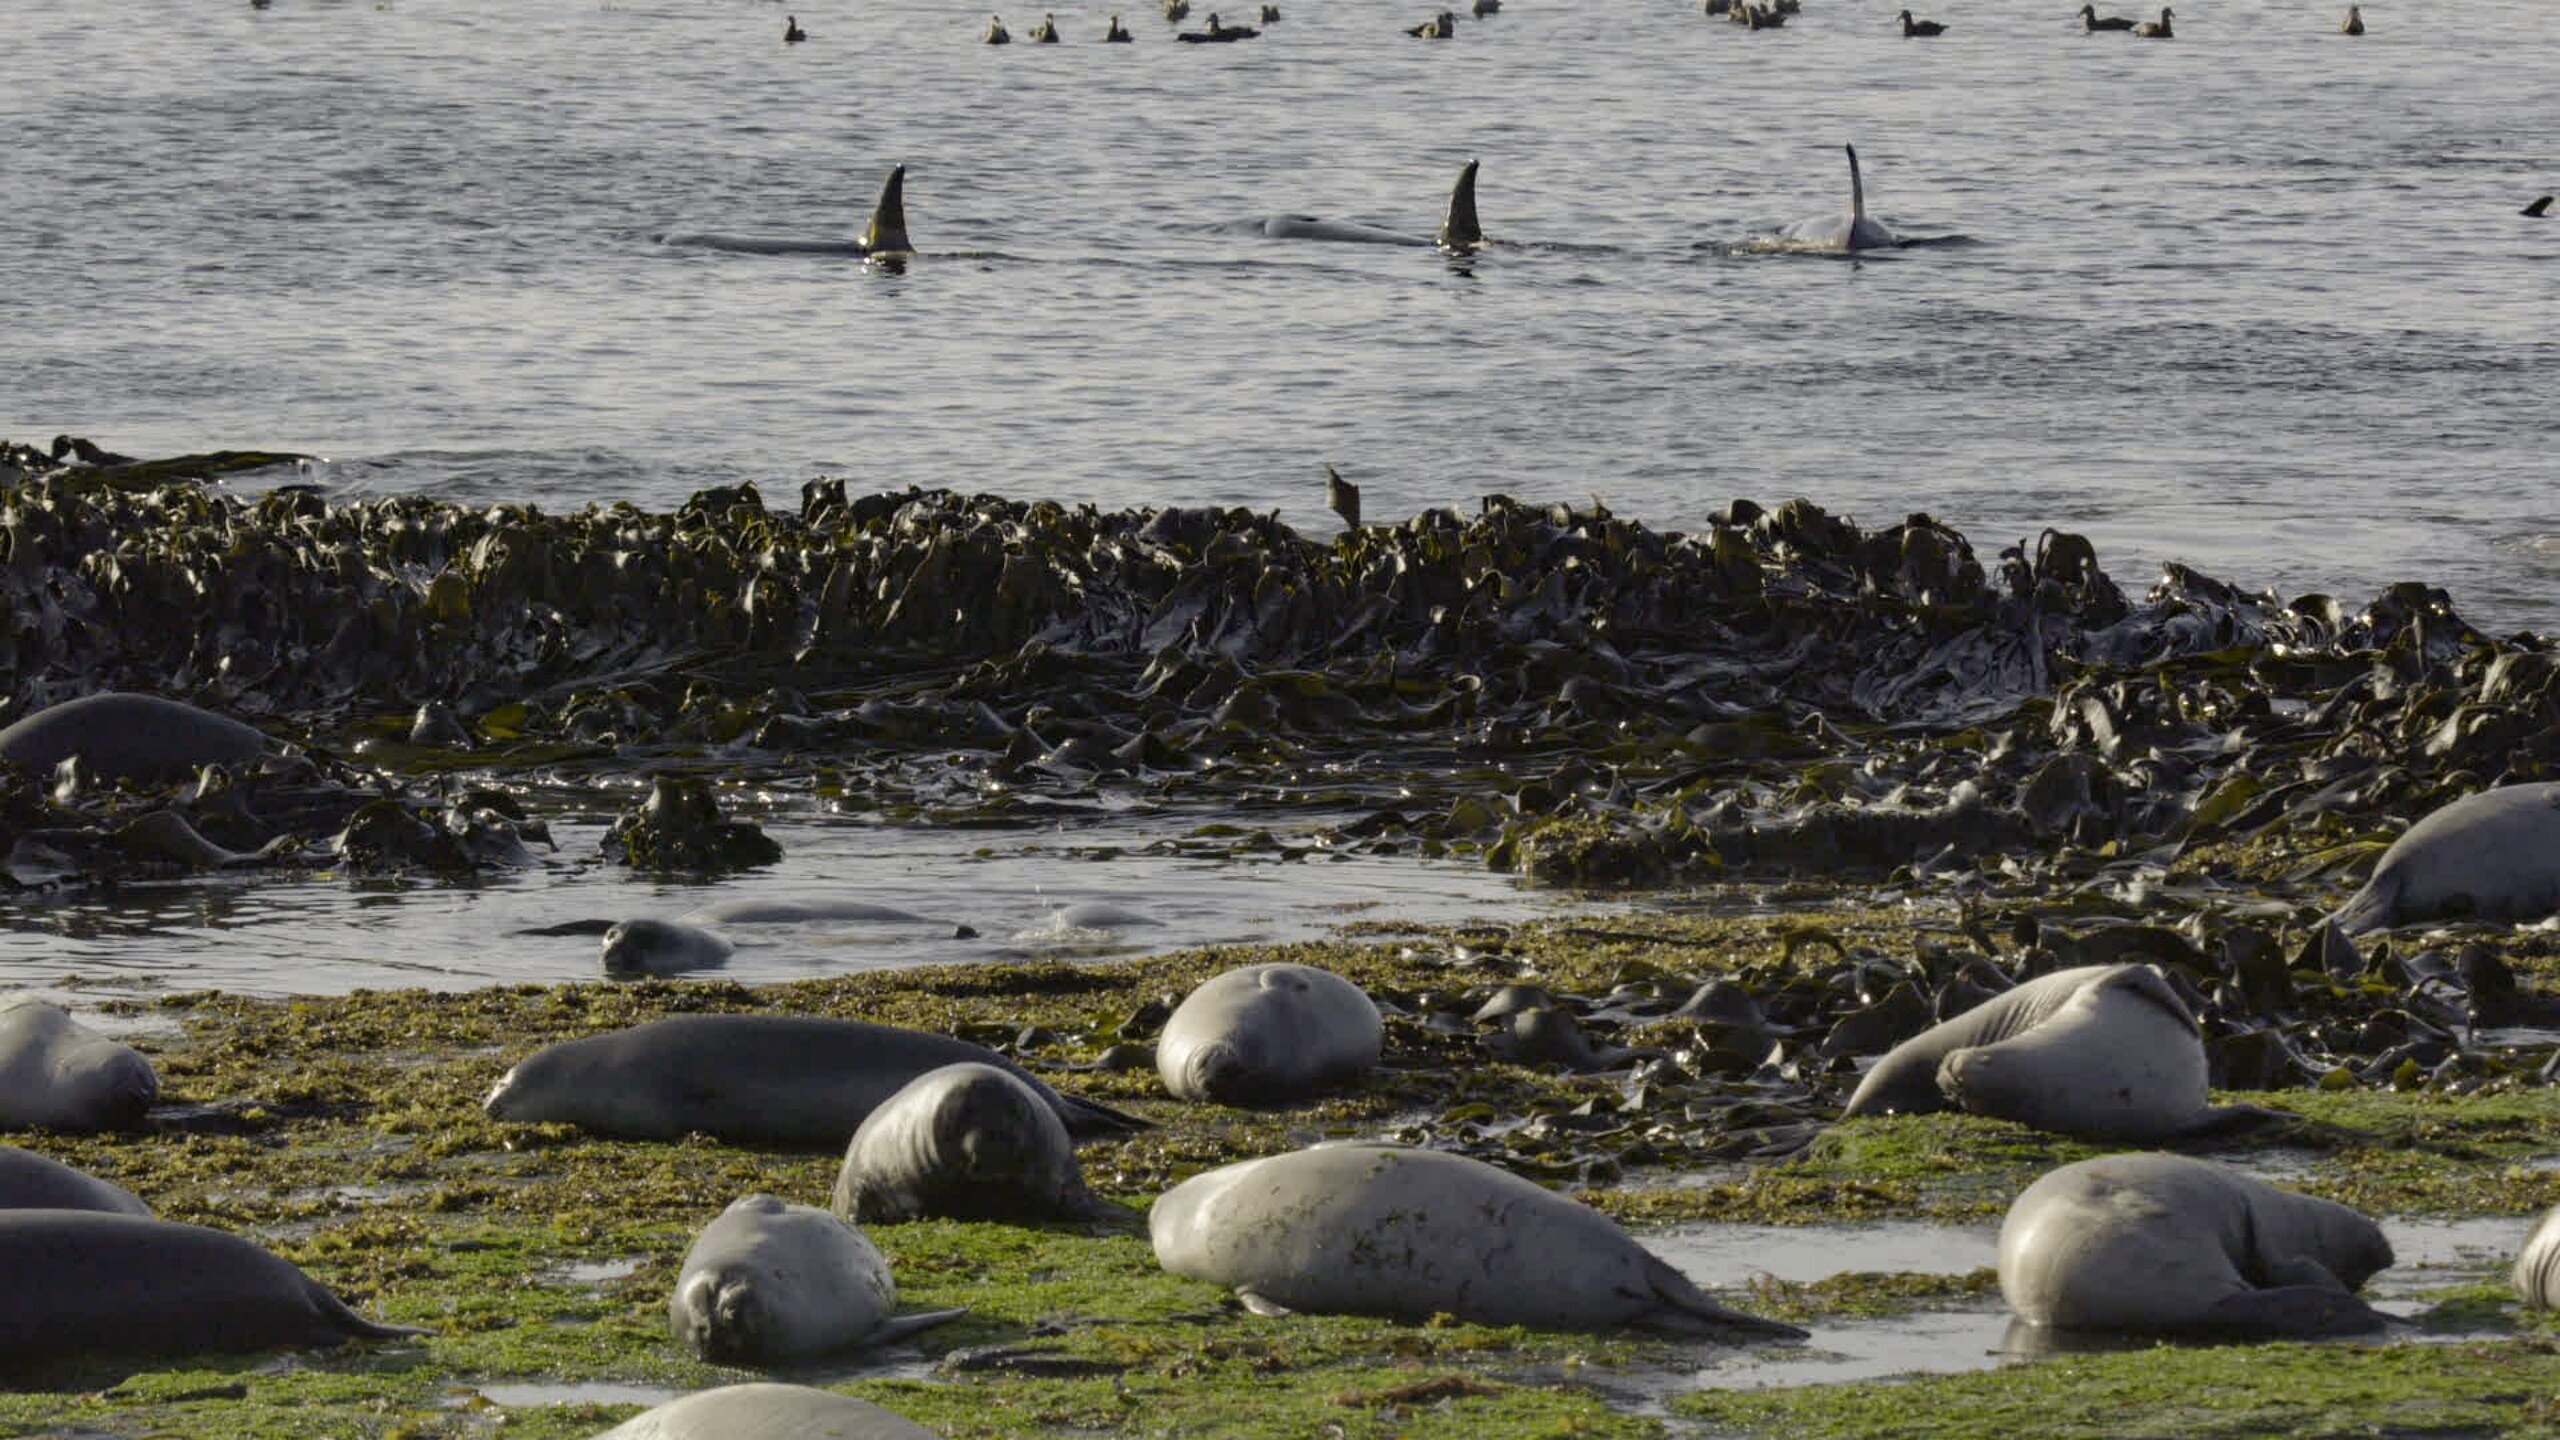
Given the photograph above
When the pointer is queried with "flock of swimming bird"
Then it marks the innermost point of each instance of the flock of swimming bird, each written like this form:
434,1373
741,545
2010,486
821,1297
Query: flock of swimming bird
2144,1243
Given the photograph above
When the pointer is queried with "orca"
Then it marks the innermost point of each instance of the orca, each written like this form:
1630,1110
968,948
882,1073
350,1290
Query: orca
1460,233
885,236
1856,230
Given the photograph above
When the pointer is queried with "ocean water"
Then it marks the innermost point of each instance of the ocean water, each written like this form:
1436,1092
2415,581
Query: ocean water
2257,299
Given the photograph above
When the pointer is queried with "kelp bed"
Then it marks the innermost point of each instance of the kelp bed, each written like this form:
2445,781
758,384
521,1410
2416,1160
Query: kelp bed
1893,769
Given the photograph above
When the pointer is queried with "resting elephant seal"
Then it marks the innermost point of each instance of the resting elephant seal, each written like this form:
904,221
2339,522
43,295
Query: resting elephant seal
2094,1050
86,1284
768,1412
970,1142
2490,856
2165,1244
1384,1230
754,1079
1265,1034
2537,1273
769,1283
59,1073
29,1181
130,737
660,947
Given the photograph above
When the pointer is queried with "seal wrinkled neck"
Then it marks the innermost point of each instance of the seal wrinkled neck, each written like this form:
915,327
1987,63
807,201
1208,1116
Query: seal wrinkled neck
1460,231
887,234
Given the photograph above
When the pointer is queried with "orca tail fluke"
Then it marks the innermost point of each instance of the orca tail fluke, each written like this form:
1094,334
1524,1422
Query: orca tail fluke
887,233
1460,232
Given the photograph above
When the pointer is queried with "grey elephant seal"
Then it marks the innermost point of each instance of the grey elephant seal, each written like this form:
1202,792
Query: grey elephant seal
2153,1244
660,947
130,737
768,1412
970,1142
1385,1230
1268,1033
2537,1273
86,1284
2490,856
59,1073
29,1181
2094,1050
769,1283
755,1079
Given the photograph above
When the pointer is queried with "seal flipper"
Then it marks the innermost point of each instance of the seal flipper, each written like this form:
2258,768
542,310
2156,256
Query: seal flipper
1459,232
1084,1118
899,1327
1681,1308
887,232
2292,1311
1260,1304
341,1323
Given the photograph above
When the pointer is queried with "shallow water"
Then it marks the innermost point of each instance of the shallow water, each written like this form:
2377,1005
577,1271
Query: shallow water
2256,299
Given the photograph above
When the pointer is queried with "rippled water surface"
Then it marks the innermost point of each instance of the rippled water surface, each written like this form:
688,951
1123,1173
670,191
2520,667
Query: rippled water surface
2258,298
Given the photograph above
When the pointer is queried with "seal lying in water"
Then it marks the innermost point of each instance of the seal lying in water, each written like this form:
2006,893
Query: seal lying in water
755,1079
768,1412
769,1283
2164,1244
2490,856
2093,1050
29,1181
59,1073
1384,1230
124,736
1263,1034
86,1284
970,1142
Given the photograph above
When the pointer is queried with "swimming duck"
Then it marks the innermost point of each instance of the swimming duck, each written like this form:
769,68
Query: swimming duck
1046,32
2157,29
1270,15
1119,34
2092,22
2354,23
1177,9
792,34
1488,7
1765,17
1919,28
1442,26
996,33
1218,33
2539,208
1715,7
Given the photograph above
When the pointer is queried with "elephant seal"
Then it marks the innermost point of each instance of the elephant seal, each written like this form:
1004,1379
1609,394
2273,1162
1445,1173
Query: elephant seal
660,947
2093,1050
768,1412
2537,1273
2490,856
83,1283
2153,1244
970,1142
29,1181
770,1283
60,1074
1264,1034
1360,1229
769,1079
121,736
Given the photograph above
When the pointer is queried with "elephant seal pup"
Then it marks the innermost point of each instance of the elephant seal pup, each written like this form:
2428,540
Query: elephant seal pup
660,947
130,737
2537,1273
1363,1229
1266,1034
83,1283
59,1073
751,1079
770,1283
968,1142
2155,1244
29,1181
2094,1050
767,1411
2490,856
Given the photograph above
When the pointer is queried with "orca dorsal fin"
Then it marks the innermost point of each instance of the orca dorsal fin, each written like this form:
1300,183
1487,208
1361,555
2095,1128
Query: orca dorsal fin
1857,189
1460,232
2539,208
887,233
